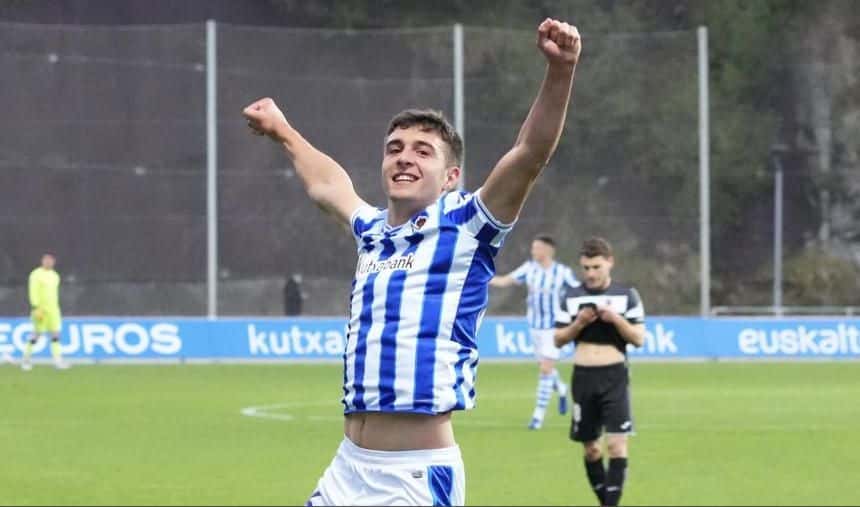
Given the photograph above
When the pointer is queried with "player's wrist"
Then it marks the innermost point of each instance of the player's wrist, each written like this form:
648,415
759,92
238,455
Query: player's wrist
283,132
560,69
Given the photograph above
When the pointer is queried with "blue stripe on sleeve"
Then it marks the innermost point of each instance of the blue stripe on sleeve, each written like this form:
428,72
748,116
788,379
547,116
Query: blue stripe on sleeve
360,226
487,234
462,214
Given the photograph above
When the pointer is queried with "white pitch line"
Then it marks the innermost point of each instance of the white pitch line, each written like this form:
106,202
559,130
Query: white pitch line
257,412
275,412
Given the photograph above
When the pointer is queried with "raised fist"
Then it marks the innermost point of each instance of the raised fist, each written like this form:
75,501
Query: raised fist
264,118
559,41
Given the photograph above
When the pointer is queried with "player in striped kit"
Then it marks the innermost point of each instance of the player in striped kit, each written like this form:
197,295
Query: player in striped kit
420,286
544,278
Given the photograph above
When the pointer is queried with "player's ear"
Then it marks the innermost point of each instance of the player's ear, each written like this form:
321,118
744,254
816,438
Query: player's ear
452,177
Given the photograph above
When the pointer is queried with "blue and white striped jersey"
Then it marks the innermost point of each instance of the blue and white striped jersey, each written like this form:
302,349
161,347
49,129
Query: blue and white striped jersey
544,285
418,297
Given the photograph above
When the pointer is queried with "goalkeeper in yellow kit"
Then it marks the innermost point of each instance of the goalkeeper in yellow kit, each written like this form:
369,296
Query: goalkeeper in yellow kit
44,292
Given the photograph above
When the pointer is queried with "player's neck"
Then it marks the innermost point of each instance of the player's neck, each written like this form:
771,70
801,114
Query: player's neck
602,287
545,263
401,211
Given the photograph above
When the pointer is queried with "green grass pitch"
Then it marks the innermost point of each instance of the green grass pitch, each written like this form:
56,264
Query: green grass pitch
707,434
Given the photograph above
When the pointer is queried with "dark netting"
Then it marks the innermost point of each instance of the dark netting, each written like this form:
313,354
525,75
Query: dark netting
121,140
102,160
340,89
602,179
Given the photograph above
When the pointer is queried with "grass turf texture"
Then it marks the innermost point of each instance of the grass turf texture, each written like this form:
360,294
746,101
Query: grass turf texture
707,434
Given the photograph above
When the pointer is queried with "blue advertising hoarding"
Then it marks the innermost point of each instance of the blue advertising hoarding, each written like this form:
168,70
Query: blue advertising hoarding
183,339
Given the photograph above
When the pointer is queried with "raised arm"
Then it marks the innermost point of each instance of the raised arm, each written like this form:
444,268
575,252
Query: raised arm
511,179
502,281
325,181
515,277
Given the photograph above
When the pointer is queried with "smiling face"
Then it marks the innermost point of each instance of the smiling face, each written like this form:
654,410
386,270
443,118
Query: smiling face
416,169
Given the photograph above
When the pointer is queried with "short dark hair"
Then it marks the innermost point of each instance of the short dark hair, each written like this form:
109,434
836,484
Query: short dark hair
596,246
545,238
430,119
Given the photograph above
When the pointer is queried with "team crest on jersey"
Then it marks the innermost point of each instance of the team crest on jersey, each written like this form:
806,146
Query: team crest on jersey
418,224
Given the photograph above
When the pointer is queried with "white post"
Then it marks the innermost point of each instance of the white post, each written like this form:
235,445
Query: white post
211,172
777,236
458,95
704,176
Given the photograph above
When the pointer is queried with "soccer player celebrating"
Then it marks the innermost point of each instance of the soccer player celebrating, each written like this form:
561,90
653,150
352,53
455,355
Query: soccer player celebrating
602,317
44,292
420,286
544,278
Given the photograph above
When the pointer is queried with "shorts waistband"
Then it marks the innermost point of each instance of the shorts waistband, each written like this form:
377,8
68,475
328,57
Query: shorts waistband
607,367
443,456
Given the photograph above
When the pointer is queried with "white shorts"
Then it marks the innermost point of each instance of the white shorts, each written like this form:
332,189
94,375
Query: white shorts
358,476
544,344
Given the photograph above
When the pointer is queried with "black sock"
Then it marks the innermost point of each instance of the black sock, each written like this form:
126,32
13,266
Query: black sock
597,477
615,480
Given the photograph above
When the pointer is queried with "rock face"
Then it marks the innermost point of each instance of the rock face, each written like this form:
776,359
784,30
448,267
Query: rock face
827,126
